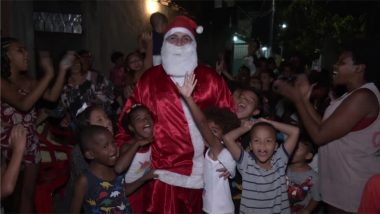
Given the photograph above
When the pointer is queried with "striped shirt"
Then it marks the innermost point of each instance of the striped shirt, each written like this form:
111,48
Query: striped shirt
264,191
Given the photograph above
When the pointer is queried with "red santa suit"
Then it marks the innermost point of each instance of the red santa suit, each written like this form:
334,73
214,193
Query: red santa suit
177,152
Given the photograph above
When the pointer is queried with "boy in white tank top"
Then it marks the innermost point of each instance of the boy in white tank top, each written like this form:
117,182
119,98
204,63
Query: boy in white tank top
213,123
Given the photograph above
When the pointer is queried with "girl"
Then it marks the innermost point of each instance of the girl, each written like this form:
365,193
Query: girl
138,121
347,133
19,93
137,63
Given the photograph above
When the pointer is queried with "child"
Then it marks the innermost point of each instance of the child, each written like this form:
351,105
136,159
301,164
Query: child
263,170
218,122
86,116
247,105
158,22
99,189
139,122
303,188
19,94
10,171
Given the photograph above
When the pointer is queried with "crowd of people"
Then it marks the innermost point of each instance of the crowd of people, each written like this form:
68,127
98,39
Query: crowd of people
165,134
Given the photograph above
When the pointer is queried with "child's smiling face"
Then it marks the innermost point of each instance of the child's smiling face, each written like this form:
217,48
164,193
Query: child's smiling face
142,124
104,149
246,105
263,145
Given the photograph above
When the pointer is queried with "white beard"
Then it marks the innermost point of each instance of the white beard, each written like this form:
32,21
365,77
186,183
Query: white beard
179,60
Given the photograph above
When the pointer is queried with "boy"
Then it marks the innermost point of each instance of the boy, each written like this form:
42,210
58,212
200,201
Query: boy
213,123
100,189
303,189
247,105
158,22
263,169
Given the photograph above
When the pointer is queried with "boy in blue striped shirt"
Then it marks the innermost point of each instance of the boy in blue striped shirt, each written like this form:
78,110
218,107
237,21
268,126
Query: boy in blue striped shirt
263,169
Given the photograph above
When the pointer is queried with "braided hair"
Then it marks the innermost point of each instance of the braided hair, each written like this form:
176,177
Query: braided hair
5,62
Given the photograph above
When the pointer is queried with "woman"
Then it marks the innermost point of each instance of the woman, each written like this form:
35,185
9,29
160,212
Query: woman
19,94
84,86
347,132
137,63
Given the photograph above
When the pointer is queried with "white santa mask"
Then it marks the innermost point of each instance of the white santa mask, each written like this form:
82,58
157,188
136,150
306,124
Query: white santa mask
179,60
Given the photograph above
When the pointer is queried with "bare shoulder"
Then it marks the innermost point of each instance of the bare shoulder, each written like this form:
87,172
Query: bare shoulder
363,97
365,100
81,181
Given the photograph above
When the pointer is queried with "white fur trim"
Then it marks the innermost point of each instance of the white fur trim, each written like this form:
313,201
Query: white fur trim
179,30
199,29
195,180
175,179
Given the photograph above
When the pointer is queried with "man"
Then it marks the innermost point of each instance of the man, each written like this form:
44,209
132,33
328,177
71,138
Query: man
177,150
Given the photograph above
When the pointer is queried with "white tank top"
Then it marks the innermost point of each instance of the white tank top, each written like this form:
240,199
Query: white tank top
217,194
140,164
348,162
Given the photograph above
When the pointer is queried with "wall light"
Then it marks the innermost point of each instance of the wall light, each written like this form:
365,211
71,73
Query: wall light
235,38
151,6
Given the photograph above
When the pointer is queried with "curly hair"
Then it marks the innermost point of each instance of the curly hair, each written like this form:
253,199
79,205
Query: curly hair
127,118
222,117
5,63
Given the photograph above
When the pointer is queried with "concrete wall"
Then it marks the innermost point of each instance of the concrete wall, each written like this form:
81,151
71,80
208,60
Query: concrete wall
114,26
17,22
107,26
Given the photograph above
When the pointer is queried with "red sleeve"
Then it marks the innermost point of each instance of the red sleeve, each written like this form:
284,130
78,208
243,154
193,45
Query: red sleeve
212,90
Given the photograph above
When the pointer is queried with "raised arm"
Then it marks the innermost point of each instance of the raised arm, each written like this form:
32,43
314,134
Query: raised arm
54,92
341,122
127,154
186,90
10,175
24,103
291,131
148,60
230,138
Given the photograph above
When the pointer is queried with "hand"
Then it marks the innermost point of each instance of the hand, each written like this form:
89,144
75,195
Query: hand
67,61
145,41
17,138
285,89
150,175
224,173
147,37
46,63
188,85
247,124
303,86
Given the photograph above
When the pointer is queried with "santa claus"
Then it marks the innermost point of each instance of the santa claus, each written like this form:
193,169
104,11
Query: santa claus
178,147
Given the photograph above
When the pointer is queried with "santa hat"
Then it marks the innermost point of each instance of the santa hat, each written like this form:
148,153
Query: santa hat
183,24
